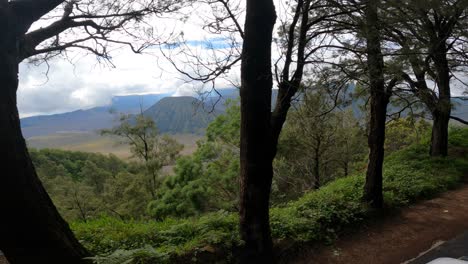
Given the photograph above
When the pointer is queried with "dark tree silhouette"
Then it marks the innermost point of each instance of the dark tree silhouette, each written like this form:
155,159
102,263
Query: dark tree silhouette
431,36
256,133
31,229
379,98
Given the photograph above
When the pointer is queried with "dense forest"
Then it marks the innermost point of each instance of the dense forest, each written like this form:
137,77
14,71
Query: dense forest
346,113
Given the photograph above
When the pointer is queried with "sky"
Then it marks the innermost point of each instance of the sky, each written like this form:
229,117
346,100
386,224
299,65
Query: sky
81,82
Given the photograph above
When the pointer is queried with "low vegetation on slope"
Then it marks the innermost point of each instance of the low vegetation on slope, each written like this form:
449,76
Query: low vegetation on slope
409,175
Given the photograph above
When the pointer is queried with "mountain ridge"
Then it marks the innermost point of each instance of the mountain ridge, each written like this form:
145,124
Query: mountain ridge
100,117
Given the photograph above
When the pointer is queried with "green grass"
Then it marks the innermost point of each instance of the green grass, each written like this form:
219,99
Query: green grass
409,175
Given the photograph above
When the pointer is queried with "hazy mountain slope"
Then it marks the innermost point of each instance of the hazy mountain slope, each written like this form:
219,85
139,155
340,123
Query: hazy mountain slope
78,121
86,120
181,115
460,108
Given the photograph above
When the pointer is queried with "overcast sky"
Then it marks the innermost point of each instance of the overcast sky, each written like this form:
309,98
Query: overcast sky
84,83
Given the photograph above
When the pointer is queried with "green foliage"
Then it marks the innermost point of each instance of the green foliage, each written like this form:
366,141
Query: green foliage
322,215
207,180
137,256
87,185
106,235
317,145
458,137
402,132
226,127
53,162
151,150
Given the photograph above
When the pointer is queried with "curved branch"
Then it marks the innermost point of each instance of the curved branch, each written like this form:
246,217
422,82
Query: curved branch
459,120
29,11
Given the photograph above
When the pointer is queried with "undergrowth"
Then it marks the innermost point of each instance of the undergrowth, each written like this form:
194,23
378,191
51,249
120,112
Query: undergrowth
409,175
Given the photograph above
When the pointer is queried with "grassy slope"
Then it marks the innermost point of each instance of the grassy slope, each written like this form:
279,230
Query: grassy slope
322,215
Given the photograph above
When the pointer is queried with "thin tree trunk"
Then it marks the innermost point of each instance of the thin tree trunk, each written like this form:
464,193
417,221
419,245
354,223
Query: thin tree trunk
317,173
317,165
378,110
256,135
31,229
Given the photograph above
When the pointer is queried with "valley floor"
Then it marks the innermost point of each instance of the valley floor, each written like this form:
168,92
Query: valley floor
402,237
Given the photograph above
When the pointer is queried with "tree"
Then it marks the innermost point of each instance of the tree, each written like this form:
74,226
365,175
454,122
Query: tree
47,238
318,144
34,230
300,38
155,151
431,36
208,179
362,19
126,195
403,132
315,132
94,176
256,149
379,99
77,200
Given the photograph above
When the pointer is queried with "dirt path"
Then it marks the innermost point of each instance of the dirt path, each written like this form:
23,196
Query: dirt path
402,237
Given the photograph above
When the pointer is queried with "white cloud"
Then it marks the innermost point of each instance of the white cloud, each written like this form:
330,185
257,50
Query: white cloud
85,83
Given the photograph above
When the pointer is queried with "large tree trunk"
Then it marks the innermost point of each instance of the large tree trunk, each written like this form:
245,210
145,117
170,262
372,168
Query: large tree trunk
31,229
441,115
378,110
256,135
439,139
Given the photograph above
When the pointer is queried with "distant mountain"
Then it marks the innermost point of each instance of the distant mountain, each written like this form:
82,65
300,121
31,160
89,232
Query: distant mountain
76,121
87,120
186,115
175,115
216,100
131,104
460,107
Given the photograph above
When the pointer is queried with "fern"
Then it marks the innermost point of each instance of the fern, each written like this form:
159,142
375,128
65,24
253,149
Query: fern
136,256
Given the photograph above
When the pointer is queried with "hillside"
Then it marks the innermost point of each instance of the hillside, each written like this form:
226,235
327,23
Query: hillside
76,121
175,115
88,120
181,115
460,107
316,218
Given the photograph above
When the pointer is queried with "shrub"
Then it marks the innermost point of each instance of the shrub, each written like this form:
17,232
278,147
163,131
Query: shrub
409,175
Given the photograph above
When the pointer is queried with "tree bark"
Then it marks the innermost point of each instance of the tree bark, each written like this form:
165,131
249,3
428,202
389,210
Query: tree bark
31,229
378,107
439,139
441,115
257,152
317,164
317,173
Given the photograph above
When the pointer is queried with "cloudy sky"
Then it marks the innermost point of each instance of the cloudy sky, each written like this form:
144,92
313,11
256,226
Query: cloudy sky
82,82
